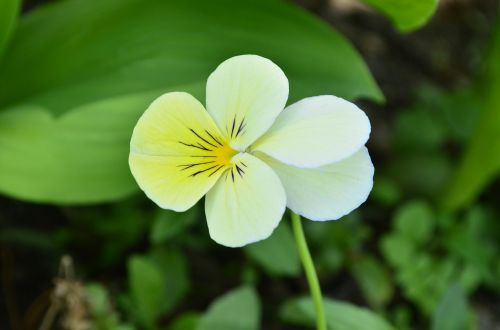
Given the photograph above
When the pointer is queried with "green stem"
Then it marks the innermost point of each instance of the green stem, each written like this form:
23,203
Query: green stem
310,271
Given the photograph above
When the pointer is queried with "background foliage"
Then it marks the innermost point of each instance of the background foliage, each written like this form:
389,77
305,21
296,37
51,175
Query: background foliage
422,253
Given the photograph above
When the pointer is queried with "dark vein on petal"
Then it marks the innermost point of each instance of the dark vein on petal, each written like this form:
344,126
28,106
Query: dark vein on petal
198,135
201,171
213,138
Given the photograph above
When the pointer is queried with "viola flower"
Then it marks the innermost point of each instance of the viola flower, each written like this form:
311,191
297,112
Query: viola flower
250,157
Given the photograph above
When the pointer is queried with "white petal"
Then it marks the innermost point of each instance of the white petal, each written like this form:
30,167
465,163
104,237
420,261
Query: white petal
328,192
316,131
246,204
173,151
245,94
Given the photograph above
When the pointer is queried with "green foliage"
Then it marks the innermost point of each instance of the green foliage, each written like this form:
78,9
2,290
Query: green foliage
147,286
86,102
168,224
339,315
374,281
9,9
277,254
102,316
430,251
186,321
481,160
407,15
238,309
451,314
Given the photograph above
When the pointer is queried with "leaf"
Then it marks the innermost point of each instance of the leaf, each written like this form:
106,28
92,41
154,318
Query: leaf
277,254
406,15
146,284
480,163
415,220
172,265
186,321
238,309
168,224
373,280
9,10
65,127
451,314
339,315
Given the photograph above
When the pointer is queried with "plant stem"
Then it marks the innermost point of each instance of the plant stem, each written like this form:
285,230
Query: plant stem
310,271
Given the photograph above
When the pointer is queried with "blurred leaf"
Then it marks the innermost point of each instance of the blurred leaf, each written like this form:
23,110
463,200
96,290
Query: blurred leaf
451,314
385,191
102,317
9,10
374,281
416,221
172,265
407,15
65,127
397,249
168,224
97,298
238,309
339,315
481,160
409,126
147,286
186,321
277,254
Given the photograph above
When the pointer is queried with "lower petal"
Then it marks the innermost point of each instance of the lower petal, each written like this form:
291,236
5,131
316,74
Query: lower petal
246,204
328,192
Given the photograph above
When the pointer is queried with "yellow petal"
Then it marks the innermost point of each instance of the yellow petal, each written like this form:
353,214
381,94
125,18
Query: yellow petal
177,152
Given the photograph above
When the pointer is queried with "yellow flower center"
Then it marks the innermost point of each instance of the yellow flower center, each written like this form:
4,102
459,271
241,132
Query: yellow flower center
209,153
223,154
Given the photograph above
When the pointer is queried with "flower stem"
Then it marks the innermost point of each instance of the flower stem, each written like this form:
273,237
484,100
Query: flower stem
310,271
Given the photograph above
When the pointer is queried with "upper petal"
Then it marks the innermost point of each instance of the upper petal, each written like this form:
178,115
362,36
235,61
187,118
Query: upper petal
316,131
246,204
328,192
245,94
174,151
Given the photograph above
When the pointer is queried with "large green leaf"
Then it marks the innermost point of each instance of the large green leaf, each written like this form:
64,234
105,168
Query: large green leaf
406,15
236,310
79,73
9,9
481,161
339,315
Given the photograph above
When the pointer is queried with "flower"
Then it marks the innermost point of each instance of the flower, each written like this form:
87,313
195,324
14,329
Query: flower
250,157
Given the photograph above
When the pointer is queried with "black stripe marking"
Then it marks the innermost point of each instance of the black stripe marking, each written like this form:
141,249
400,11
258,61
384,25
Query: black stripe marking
216,141
213,145
201,171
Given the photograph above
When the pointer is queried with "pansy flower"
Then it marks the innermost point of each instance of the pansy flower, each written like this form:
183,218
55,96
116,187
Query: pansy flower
249,155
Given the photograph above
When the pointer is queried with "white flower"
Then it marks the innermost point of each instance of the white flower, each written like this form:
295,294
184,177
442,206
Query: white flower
250,157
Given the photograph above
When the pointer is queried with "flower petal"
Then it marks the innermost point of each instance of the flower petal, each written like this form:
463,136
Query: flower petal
316,131
172,151
328,192
245,94
246,204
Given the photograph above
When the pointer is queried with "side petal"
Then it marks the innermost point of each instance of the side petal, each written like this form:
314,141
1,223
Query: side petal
245,94
316,131
173,154
246,204
328,192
